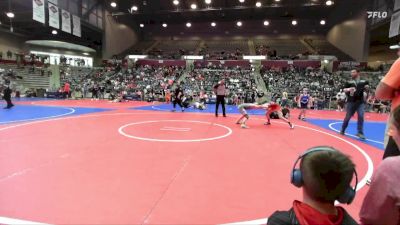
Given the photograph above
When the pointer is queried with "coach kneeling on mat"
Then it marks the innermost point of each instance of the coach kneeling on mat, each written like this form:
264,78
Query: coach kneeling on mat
325,175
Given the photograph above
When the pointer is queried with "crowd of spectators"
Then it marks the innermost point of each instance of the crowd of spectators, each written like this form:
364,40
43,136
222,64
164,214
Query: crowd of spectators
323,87
155,83
240,84
139,83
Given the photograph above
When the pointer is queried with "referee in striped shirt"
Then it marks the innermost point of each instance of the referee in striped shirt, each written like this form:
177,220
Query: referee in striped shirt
220,91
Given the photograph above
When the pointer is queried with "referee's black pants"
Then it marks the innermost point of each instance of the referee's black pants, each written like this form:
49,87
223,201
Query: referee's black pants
220,100
9,103
177,101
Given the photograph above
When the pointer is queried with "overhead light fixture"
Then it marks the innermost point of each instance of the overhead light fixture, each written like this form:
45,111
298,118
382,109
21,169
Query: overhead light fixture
134,8
213,24
137,56
394,47
277,0
294,22
193,57
208,2
258,4
266,23
165,25
241,1
188,24
329,3
141,25
113,4
176,2
85,53
254,57
10,14
193,6
322,22
54,32
239,24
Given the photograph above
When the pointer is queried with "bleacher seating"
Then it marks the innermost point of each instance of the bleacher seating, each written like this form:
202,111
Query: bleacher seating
285,48
139,48
170,49
225,49
323,47
290,47
37,78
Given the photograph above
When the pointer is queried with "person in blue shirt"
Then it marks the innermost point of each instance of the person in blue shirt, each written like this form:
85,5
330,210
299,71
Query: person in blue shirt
304,103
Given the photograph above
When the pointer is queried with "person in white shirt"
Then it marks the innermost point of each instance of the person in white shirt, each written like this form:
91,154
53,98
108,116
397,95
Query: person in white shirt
341,100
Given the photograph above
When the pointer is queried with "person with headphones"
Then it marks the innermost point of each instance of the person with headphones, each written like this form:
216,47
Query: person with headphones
325,174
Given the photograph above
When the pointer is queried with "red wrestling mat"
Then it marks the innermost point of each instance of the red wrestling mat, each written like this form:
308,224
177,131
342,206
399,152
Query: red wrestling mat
128,168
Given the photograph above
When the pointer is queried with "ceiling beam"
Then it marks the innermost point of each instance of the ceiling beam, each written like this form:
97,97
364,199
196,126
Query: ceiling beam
213,9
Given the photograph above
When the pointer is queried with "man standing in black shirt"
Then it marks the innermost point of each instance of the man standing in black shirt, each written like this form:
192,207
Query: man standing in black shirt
7,97
220,92
355,89
178,94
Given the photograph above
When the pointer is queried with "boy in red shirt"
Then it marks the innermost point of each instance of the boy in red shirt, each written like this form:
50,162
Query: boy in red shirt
325,175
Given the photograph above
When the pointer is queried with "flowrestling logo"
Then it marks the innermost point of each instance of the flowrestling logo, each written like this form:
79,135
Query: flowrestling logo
380,15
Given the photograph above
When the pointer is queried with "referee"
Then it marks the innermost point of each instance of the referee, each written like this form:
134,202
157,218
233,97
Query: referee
356,91
220,91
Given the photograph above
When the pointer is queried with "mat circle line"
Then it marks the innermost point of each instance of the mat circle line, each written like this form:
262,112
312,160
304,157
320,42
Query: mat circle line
121,131
334,129
71,111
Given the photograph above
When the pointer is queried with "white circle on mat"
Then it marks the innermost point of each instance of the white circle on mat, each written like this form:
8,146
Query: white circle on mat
121,131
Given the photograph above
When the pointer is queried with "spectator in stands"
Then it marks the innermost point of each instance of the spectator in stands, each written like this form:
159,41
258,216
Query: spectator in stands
84,90
178,95
9,54
382,202
355,89
284,101
102,91
7,97
341,100
167,96
388,89
325,175
220,91
95,92
1,55
67,90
